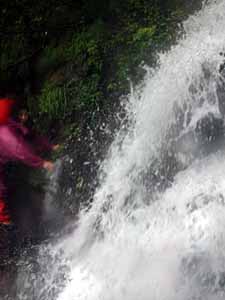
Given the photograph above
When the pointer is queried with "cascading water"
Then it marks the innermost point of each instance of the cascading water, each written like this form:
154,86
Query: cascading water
138,242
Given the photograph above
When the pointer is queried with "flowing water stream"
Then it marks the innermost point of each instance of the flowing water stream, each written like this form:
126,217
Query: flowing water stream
137,241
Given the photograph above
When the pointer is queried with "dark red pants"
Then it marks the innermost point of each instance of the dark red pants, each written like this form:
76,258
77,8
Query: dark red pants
4,216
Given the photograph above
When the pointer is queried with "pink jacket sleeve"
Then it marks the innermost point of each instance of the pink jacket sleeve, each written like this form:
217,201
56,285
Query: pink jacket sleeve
16,148
24,130
39,142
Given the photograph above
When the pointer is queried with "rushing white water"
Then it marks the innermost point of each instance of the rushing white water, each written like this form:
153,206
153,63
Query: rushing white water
172,248
130,246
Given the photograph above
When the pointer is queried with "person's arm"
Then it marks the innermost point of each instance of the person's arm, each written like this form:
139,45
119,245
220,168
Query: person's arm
18,126
17,149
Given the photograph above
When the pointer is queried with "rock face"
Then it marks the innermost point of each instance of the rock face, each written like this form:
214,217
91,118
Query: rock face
209,129
81,161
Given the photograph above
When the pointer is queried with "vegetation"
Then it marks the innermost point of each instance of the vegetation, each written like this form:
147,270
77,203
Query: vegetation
68,57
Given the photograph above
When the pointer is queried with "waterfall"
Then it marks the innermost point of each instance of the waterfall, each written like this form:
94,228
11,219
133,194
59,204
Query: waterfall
141,239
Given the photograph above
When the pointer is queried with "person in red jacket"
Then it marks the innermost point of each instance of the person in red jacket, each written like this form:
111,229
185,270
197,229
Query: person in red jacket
13,147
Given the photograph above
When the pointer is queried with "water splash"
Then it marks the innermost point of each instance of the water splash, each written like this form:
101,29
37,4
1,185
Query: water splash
50,207
171,246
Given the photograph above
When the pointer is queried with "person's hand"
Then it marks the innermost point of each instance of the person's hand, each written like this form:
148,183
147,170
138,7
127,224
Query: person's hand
48,165
55,147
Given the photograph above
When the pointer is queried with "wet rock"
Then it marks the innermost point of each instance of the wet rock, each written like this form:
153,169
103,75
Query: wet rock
209,128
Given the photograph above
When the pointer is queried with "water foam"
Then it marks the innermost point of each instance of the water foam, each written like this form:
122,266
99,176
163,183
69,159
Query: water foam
172,249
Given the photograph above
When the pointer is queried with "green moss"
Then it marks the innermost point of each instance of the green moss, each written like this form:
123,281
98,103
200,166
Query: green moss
85,51
58,102
53,101
86,47
86,93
